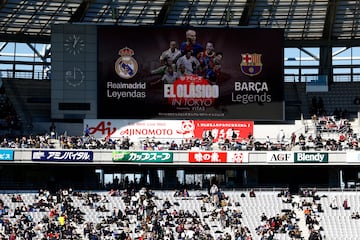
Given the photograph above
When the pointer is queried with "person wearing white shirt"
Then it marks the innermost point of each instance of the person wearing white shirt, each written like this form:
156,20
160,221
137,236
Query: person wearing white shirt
191,63
172,53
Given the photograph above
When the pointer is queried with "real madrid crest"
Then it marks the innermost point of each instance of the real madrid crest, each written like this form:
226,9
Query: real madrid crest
251,64
126,66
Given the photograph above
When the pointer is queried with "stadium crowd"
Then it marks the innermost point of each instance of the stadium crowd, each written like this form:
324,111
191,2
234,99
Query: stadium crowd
343,138
143,214
140,213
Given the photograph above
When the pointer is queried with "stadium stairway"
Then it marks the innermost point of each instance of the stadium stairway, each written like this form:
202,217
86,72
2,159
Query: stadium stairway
302,223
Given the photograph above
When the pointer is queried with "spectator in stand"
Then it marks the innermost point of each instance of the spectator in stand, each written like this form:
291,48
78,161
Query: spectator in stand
342,137
334,204
346,204
167,204
293,139
234,135
318,141
268,143
52,130
354,144
281,136
314,235
186,193
221,143
214,189
302,141
113,192
355,215
263,217
87,131
252,193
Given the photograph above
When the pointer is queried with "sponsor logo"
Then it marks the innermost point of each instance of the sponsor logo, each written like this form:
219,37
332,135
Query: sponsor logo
207,157
126,66
238,157
311,157
278,157
251,64
62,156
152,157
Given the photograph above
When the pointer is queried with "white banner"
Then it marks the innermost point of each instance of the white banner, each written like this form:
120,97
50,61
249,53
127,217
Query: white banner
167,130
140,129
238,157
353,156
279,157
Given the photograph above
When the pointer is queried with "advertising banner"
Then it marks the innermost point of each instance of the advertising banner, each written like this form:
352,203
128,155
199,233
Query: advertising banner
167,130
207,157
279,157
144,157
62,156
147,72
353,156
237,157
311,157
218,157
6,155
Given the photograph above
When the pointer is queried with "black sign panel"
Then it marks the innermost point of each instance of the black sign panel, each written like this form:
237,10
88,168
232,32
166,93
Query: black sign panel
212,73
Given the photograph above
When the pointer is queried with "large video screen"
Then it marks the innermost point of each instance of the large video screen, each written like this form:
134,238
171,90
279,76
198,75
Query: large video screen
190,73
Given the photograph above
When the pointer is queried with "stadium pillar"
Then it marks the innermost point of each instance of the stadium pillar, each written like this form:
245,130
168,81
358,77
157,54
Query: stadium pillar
169,178
334,177
251,178
326,62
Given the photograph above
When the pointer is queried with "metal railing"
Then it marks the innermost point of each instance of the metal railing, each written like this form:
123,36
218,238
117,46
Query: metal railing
26,75
42,75
344,77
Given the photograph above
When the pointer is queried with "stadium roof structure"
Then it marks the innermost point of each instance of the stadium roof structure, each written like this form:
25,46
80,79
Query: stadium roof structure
328,22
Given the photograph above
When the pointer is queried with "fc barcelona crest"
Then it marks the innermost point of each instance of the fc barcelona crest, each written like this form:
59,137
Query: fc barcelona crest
251,64
126,66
